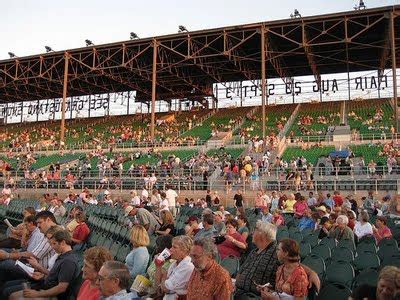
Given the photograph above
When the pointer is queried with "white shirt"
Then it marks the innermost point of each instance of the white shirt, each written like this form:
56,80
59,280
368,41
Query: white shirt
34,240
135,201
171,196
164,204
178,277
361,230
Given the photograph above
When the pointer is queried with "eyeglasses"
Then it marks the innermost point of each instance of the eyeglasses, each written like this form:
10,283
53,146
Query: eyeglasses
102,278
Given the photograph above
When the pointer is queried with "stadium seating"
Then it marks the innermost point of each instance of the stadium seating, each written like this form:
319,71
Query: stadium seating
311,155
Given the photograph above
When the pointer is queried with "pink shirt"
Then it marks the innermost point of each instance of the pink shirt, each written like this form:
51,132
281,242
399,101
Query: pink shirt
86,292
383,232
300,207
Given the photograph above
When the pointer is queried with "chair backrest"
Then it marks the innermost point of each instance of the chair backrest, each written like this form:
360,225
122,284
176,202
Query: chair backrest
366,247
334,291
347,243
317,264
322,251
393,260
231,264
367,276
305,249
390,242
331,242
312,239
367,260
342,254
340,272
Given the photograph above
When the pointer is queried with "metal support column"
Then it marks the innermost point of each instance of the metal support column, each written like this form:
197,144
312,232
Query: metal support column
394,77
263,79
153,90
64,100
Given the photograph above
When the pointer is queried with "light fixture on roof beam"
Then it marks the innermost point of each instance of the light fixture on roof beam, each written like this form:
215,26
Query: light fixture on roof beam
361,5
12,55
48,49
89,43
134,36
295,14
182,29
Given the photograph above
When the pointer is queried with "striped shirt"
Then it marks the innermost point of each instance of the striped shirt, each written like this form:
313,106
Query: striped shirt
34,240
43,252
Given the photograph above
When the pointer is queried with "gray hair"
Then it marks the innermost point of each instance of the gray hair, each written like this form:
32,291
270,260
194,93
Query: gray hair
118,270
208,246
268,229
184,241
342,219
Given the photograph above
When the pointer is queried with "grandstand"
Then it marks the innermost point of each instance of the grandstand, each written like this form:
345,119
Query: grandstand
285,148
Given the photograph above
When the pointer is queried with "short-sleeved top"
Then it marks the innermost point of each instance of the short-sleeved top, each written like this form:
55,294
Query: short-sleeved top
238,200
289,204
259,268
296,284
243,229
167,226
215,283
81,232
65,269
87,292
227,248
145,217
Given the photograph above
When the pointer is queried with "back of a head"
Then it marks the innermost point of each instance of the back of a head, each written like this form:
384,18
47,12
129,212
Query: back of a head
208,219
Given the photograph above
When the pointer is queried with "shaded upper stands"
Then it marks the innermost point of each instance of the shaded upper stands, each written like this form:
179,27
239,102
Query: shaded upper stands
222,121
311,154
276,118
374,116
314,119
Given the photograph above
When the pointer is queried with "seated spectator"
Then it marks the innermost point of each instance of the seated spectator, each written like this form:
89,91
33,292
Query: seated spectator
234,244
64,271
144,218
352,219
300,207
381,230
57,208
192,227
362,226
167,223
113,280
219,224
208,230
93,259
307,221
81,231
324,226
261,264
209,280
277,218
162,242
266,216
71,222
291,278
289,204
16,234
174,282
243,227
138,259
340,230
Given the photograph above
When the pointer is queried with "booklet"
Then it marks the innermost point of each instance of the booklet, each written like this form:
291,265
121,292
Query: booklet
8,223
27,269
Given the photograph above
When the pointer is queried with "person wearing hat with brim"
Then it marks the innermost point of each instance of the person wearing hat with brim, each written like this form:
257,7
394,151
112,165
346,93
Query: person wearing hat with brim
322,211
219,224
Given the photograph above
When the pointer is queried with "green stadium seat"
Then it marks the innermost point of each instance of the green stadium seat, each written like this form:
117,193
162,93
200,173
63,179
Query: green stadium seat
342,254
367,276
231,264
322,251
366,260
334,291
317,264
340,272
330,242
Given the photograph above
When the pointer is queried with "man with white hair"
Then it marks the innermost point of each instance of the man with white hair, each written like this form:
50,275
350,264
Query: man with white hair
261,265
340,230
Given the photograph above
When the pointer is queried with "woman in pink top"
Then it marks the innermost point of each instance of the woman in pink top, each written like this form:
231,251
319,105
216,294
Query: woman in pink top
381,231
234,243
93,260
300,207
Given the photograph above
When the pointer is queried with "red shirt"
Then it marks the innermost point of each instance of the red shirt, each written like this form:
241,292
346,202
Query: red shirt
227,248
86,292
81,232
338,200
351,224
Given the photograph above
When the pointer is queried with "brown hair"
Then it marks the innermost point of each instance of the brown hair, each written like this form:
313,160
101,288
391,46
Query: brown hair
232,222
167,217
96,256
291,247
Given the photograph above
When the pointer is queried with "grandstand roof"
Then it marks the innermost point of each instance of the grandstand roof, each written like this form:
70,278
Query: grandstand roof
189,63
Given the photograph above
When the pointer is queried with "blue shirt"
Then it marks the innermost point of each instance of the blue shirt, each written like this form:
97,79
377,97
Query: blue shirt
329,202
137,261
305,223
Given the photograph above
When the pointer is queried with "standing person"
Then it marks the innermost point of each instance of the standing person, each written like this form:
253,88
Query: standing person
238,199
171,196
144,218
208,198
209,280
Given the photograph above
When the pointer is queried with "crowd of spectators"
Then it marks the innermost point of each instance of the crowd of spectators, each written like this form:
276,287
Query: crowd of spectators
51,238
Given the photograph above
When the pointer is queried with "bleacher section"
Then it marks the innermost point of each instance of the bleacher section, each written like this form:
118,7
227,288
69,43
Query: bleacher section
311,155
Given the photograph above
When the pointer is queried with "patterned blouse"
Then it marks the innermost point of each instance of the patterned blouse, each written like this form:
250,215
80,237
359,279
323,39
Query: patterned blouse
296,284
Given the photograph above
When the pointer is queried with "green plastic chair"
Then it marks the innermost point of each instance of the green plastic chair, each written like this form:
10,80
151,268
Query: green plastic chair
334,291
231,264
366,260
340,272
342,254
317,264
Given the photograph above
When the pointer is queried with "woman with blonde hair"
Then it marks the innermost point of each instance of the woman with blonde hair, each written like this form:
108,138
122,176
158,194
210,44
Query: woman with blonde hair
93,259
167,223
138,259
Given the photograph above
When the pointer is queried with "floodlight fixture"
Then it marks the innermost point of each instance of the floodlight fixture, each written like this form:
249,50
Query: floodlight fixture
295,14
48,49
89,43
182,29
134,36
12,55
